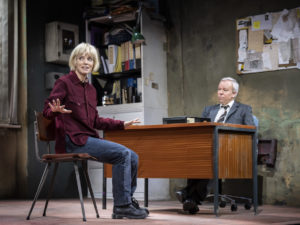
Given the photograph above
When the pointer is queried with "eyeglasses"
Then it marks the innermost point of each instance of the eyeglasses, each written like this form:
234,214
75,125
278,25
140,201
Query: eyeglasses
83,58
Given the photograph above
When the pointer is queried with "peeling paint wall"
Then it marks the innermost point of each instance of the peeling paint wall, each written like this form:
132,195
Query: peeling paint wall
201,50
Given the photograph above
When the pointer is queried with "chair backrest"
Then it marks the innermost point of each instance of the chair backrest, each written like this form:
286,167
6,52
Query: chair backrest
44,130
256,121
45,127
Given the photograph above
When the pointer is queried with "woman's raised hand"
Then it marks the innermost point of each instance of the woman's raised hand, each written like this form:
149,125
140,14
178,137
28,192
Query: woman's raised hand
128,123
56,107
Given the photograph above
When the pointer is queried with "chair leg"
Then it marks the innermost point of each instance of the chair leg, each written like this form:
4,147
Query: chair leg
104,187
51,188
44,176
79,190
88,181
146,192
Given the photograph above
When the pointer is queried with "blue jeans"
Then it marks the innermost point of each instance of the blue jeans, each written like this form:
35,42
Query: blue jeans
124,161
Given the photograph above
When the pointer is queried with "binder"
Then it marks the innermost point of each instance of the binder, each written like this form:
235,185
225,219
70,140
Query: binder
112,53
118,66
123,56
184,119
137,56
131,56
127,55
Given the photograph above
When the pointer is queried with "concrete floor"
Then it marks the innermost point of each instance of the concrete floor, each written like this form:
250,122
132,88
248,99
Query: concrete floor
68,212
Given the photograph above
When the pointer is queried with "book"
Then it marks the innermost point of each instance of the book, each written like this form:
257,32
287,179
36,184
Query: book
118,65
131,56
112,53
137,56
127,55
123,56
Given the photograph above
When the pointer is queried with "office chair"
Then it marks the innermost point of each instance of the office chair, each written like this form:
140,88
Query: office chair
44,130
224,199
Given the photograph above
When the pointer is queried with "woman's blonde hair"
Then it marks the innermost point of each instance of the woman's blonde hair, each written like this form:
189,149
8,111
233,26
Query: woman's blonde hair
84,49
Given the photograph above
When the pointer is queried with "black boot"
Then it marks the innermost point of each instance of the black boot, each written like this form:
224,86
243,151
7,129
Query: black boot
190,206
181,196
128,211
135,203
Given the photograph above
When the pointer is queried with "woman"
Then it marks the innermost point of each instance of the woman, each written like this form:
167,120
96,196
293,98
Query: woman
72,103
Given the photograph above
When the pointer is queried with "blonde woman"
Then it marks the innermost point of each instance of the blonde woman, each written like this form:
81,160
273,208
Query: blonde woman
72,103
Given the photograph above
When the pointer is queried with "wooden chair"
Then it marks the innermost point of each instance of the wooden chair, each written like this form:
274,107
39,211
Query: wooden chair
44,130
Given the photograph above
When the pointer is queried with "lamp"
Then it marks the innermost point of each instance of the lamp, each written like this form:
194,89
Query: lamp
137,37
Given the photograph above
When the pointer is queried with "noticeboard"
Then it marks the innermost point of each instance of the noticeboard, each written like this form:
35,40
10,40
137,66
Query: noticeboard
268,42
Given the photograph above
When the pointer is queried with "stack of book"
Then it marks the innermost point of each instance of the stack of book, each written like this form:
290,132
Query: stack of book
121,58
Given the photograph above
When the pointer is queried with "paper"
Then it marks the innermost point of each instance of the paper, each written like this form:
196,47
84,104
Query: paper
269,56
240,67
296,30
282,30
284,52
266,60
254,61
243,44
296,50
256,40
243,23
261,22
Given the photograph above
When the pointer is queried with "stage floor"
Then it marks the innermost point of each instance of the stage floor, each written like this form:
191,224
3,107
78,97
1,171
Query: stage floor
68,212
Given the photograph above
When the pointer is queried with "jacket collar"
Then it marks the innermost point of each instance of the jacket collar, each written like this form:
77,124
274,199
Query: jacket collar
75,79
233,108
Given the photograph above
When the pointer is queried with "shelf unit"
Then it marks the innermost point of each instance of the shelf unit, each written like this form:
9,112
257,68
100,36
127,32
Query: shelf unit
154,105
135,73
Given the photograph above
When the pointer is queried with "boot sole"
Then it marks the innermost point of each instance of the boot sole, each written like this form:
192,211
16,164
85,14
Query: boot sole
191,207
120,216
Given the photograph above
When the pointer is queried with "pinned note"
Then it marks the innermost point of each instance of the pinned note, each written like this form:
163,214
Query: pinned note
261,22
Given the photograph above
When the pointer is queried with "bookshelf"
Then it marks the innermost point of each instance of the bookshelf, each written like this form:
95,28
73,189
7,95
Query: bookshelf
153,106
135,73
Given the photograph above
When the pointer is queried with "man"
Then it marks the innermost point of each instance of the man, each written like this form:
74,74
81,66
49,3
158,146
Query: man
227,111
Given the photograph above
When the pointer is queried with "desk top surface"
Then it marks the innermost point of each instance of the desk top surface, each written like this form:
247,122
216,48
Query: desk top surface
186,125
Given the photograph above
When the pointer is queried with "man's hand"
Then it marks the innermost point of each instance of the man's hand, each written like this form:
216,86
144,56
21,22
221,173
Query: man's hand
128,123
56,107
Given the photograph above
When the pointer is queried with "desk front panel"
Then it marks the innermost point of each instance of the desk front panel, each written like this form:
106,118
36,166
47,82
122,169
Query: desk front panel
235,155
184,152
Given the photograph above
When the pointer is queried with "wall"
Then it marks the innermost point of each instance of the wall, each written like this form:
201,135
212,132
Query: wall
201,38
38,14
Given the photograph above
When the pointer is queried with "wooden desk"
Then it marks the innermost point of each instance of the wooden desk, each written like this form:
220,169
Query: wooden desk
195,150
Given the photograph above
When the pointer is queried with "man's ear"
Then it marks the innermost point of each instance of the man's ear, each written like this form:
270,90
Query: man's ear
235,94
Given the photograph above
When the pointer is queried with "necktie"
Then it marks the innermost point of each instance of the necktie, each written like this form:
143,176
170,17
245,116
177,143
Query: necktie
222,117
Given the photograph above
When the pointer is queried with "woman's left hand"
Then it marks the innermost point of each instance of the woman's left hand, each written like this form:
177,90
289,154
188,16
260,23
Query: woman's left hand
128,123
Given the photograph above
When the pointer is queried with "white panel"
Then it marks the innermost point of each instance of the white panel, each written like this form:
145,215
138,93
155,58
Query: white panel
154,116
125,116
159,189
154,64
121,108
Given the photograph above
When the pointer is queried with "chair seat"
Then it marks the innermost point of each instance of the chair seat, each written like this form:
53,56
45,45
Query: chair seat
68,157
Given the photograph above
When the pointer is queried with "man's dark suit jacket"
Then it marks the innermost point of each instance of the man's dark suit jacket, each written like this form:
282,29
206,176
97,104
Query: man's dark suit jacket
239,113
